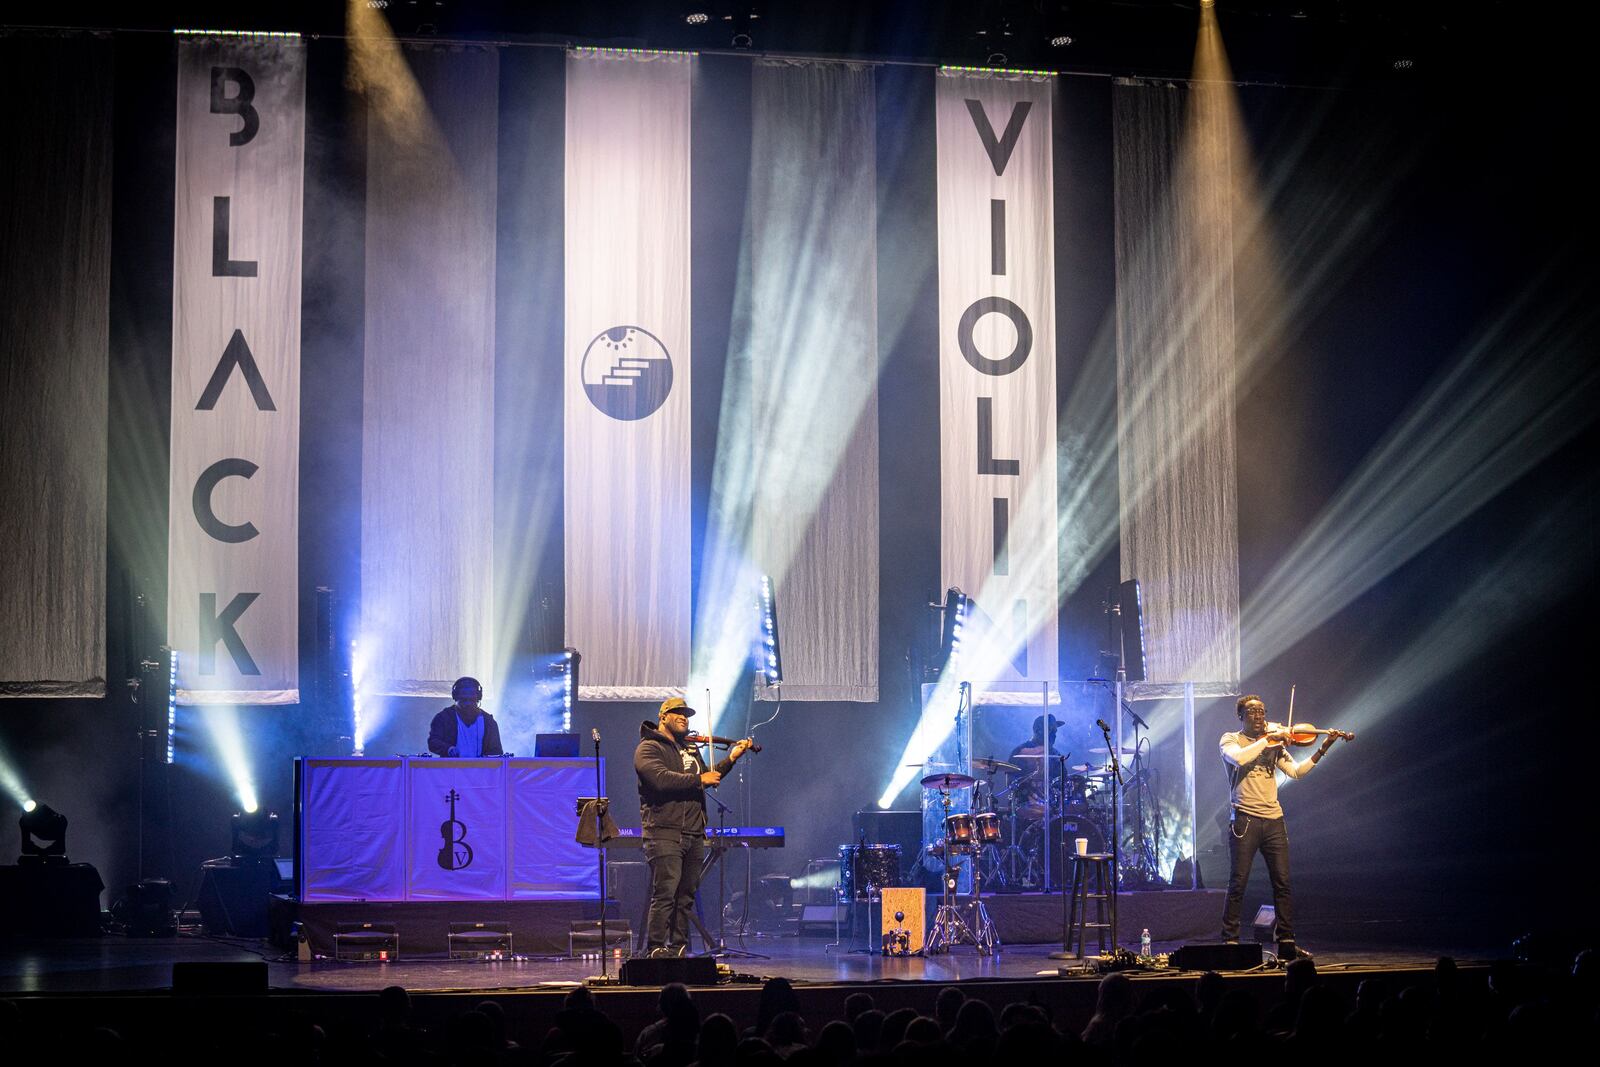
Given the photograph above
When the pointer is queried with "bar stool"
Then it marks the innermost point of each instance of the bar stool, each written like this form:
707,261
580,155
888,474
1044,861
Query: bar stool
1096,868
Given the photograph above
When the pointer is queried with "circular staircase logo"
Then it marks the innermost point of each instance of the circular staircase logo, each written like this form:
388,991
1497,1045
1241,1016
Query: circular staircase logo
627,372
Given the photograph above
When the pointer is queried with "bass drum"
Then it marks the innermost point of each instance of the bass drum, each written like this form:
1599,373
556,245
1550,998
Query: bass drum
1074,824
865,869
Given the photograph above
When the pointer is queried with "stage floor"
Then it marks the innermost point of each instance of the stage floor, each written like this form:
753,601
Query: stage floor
119,965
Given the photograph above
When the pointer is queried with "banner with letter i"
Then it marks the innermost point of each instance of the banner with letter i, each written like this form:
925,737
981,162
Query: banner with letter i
997,377
233,505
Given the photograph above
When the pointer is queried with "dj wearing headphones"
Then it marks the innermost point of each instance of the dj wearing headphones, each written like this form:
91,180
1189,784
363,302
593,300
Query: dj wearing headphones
465,729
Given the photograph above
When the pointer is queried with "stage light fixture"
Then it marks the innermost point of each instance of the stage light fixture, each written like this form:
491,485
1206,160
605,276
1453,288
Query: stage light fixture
570,660
44,835
172,703
952,624
29,805
768,657
358,672
1060,40
254,837
697,18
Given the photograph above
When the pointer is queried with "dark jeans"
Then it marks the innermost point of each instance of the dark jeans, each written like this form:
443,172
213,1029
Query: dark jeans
675,862
1247,835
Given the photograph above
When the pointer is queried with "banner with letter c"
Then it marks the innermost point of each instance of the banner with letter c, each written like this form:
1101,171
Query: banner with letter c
233,504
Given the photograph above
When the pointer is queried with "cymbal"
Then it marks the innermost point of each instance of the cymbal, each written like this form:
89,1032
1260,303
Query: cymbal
989,765
1090,769
913,764
949,780
1124,751
1035,755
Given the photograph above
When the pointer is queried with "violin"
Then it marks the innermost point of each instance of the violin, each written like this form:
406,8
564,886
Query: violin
1303,733
722,742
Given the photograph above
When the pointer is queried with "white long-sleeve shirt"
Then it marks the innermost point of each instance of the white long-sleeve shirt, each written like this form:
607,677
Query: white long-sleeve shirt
1252,767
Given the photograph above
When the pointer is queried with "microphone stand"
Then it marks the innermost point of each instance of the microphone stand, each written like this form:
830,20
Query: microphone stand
1116,816
600,804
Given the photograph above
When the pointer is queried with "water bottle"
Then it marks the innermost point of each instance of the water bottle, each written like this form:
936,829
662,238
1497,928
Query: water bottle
1144,942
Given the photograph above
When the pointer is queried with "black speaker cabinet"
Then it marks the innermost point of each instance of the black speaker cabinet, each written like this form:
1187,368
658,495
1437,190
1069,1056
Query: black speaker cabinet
1217,956
690,970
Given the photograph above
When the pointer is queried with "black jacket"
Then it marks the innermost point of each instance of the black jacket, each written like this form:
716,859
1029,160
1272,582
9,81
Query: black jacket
442,733
670,798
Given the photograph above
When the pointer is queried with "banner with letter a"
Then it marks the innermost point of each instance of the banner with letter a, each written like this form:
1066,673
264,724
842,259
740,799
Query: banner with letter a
233,508
627,371
997,381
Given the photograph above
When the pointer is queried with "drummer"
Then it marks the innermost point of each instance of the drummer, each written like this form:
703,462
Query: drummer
1033,756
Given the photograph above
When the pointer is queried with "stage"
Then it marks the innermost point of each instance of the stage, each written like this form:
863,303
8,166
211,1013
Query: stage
124,982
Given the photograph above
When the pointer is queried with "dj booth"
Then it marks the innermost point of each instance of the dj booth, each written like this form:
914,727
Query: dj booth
409,828
424,845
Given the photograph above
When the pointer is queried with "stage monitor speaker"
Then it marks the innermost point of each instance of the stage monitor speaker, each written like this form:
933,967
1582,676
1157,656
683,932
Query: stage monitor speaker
1217,956
690,970
212,978
233,897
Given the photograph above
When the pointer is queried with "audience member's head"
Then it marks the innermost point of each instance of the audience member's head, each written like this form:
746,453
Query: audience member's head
975,1029
855,1004
717,1041
869,1029
394,1006
947,1006
924,1031
786,1031
894,1027
777,997
837,1042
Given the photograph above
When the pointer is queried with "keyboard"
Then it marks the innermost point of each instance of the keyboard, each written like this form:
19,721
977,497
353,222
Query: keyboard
727,837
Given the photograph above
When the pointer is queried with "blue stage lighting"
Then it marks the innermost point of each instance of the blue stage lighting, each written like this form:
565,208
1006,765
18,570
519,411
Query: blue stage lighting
768,658
358,673
568,665
172,703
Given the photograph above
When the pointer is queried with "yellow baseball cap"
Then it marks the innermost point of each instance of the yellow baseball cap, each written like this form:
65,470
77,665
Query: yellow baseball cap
677,704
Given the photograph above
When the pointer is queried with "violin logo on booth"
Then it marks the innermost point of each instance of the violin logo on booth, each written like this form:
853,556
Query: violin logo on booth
456,854
627,373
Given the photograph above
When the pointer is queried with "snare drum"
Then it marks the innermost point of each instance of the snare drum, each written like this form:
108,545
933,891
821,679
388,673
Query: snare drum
960,831
988,826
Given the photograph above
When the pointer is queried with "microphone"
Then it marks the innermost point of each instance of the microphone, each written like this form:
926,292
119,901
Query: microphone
1103,727
594,734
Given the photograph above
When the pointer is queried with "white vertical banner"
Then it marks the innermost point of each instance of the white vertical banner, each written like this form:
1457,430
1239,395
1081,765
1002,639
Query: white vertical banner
428,583
997,379
233,507
626,466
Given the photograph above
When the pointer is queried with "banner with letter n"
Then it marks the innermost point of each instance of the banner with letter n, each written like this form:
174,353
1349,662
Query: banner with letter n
626,465
997,379
233,506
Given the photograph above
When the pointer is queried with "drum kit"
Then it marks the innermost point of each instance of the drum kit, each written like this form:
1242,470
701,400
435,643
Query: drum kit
965,834
1014,832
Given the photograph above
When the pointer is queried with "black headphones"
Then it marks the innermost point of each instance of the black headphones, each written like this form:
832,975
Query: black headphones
470,688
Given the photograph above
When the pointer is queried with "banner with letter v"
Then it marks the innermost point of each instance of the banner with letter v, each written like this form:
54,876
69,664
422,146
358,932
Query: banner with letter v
997,377
233,504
